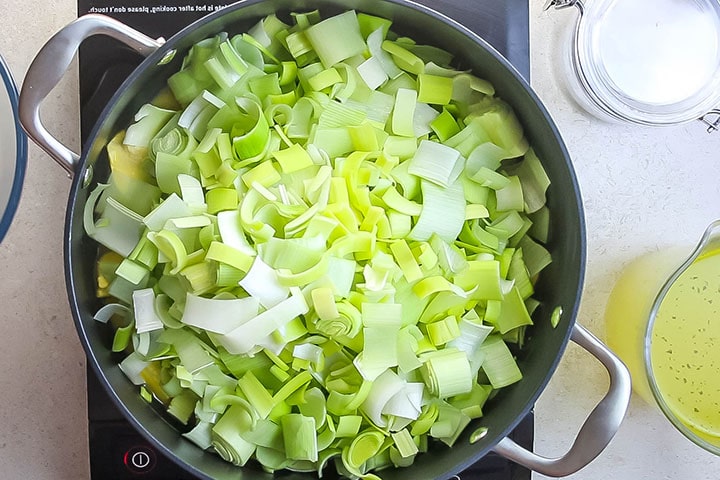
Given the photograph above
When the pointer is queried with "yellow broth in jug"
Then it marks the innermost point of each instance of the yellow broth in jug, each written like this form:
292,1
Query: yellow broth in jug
685,348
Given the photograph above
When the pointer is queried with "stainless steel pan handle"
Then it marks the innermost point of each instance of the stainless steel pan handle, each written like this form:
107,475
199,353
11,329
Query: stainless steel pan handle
599,427
51,63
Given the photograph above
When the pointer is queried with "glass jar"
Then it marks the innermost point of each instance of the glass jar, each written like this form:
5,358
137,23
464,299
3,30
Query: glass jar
647,62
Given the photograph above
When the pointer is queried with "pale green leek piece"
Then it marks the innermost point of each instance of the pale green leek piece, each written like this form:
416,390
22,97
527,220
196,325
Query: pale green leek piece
320,244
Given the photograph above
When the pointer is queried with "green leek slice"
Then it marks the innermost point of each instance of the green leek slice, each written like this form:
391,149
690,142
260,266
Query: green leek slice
447,372
403,112
498,364
344,25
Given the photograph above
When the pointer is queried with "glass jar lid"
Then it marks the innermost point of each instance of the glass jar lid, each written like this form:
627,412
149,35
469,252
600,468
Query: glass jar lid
13,150
653,62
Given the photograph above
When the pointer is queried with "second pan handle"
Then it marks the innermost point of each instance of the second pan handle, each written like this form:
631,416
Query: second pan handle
49,67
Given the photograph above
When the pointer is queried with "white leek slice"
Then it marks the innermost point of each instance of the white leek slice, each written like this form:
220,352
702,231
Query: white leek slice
374,43
336,114
248,335
375,280
110,310
218,316
192,193
372,72
450,258
146,320
382,315
201,435
119,228
341,273
384,388
172,207
443,212
263,284
132,365
148,122
472,335
196,107
308,352
264,31
423,116
436,163
406,403
378,106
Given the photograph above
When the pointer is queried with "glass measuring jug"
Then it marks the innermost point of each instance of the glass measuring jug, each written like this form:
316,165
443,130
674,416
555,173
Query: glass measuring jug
663,320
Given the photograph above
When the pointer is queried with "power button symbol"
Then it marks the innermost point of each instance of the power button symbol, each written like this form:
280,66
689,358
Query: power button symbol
139,459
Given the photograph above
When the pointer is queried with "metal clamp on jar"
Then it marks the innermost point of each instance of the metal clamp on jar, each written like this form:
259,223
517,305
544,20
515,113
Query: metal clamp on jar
647,62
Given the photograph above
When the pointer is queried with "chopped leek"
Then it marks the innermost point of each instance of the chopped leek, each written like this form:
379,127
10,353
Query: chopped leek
343,26
320,254
436,163
300,437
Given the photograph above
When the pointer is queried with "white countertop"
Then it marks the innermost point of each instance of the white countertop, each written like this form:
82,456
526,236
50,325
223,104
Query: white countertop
642,188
